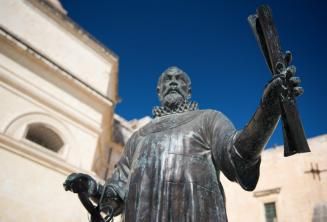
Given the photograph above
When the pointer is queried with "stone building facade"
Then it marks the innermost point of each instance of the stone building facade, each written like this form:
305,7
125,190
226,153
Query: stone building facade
58,90
290,189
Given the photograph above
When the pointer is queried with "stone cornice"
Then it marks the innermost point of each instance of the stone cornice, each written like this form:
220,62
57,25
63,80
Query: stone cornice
42,156
74,28
38,155
19,43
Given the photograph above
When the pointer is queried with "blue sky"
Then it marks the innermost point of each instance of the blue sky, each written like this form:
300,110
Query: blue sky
212,41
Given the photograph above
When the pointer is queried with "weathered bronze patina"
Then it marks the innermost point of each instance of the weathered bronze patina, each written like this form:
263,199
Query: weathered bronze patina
278,62
170,168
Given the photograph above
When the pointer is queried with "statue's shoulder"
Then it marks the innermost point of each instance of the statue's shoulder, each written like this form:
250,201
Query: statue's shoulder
212,113
214,117
146,129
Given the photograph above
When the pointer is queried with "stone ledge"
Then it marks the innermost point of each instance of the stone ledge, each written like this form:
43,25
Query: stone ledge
20,44
42,157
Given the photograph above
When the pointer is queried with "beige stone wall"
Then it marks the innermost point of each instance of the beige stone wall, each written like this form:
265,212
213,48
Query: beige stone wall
31,191
54,74
57,38
298,191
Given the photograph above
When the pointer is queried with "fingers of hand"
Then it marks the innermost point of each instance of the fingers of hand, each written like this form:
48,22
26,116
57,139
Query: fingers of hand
72,176
68,182
298,91
76,182
294,81
292,84
290,71
66,186
274,89
92,186
288,57
277,84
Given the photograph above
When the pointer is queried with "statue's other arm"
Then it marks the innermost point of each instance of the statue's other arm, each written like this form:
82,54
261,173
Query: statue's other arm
114,190
111,195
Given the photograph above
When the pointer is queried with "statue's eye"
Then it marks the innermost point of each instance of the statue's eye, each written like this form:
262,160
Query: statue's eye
183,80
166,78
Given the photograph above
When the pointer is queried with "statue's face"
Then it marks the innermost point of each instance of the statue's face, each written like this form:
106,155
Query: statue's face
173,87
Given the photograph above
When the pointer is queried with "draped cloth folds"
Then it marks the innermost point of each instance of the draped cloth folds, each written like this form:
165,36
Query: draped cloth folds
170,169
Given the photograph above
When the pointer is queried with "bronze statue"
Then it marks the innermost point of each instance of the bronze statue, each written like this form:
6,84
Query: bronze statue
170,168
267,37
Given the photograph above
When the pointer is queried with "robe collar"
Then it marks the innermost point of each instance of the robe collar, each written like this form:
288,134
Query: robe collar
166,122
159,111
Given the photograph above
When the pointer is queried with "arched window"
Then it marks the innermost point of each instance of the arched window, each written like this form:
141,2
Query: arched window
44,136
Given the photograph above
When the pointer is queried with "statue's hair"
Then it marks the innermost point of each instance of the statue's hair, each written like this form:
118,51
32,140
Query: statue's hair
174,69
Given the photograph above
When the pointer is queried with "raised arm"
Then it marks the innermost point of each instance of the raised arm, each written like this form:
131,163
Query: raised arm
250,142
237,153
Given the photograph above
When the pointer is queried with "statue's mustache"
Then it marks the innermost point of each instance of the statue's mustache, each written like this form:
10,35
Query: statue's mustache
172,89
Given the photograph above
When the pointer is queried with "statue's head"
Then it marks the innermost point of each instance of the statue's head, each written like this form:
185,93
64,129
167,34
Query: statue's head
174,87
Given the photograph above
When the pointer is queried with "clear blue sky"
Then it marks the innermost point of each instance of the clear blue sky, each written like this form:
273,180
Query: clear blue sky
212,41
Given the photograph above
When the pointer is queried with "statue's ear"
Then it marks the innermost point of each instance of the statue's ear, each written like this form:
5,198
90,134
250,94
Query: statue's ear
158,90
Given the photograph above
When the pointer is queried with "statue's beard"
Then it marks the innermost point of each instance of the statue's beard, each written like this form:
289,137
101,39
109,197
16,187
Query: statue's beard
173,100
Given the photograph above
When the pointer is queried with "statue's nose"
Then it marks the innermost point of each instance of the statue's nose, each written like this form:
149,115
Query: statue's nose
173,83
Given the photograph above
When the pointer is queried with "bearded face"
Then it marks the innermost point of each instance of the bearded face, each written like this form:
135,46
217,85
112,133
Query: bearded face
173,88
173,100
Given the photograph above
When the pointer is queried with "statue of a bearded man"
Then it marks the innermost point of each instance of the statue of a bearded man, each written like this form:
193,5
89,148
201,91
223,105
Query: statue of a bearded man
170,168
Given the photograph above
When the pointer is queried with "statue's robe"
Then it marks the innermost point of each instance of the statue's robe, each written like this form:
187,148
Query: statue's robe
170,169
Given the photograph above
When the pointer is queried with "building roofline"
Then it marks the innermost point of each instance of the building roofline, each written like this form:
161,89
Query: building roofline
279,150
123,122
75,29
46,60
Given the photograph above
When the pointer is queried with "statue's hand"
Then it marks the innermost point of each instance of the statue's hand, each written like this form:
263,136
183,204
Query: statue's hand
81,183
111,202
284,85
